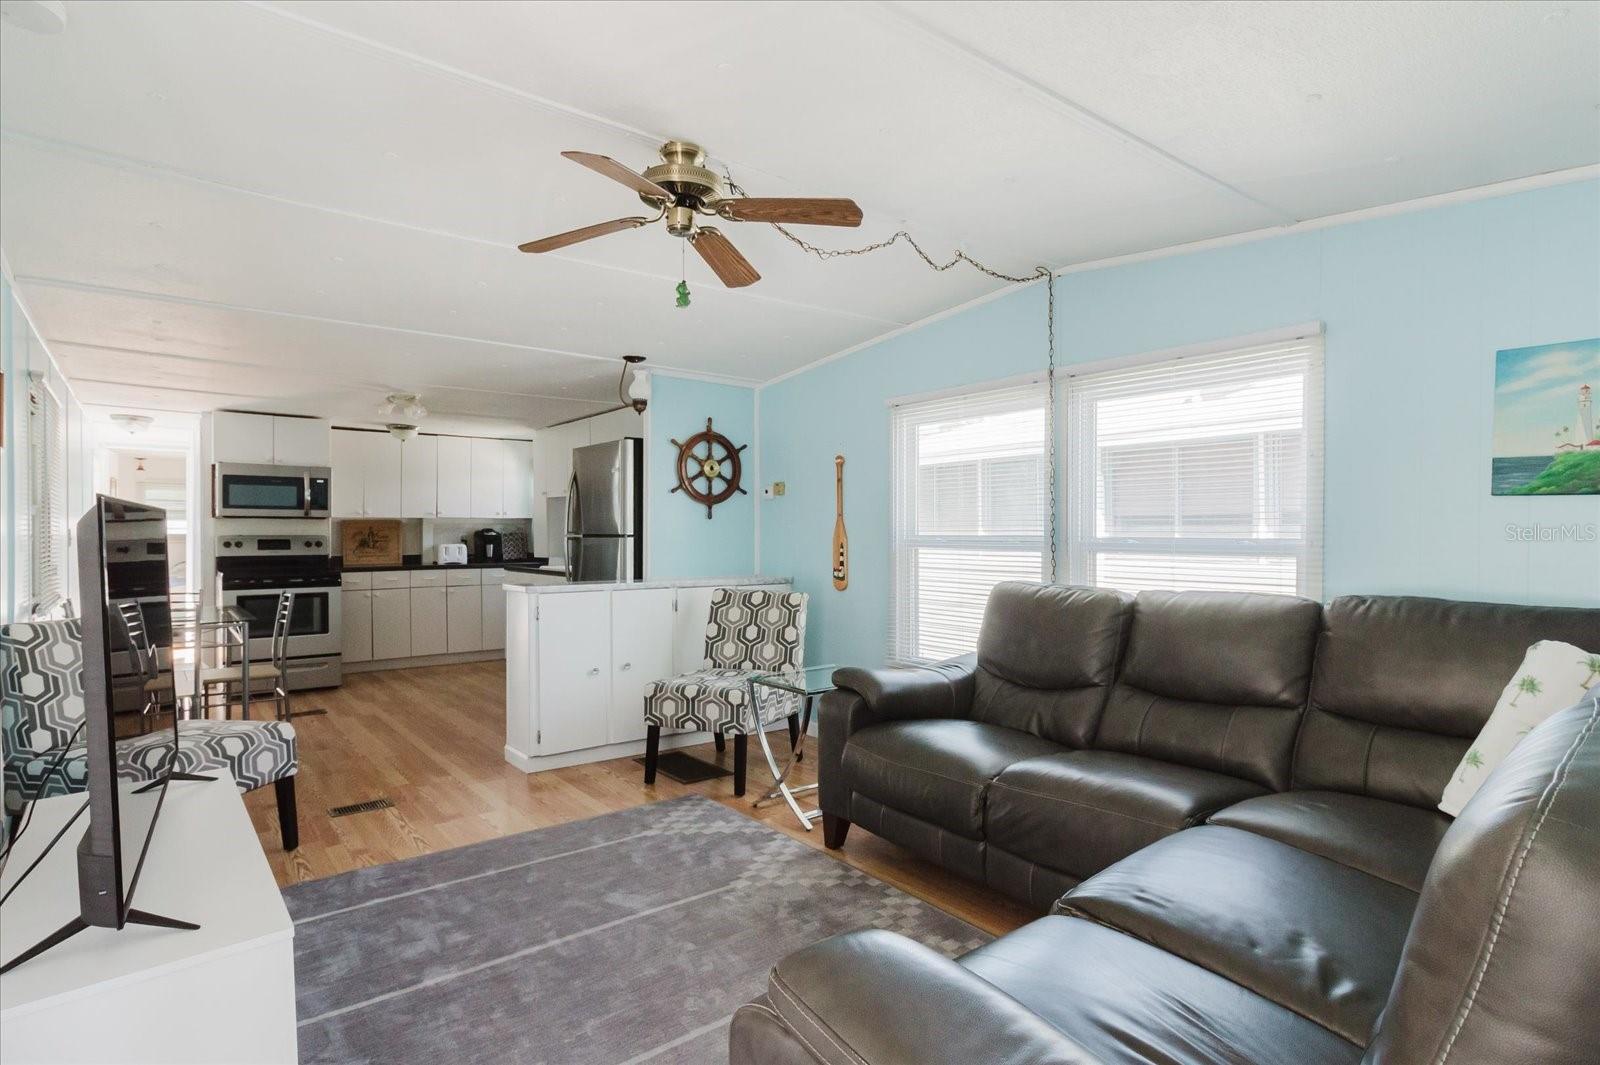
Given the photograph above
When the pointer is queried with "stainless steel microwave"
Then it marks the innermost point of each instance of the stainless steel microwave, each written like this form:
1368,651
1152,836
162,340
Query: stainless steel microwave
241,490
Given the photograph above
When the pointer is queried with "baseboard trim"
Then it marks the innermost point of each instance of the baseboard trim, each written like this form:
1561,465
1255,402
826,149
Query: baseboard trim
424,660
537,763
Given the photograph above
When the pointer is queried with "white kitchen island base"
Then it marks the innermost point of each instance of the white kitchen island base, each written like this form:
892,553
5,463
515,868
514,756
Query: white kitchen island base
579,656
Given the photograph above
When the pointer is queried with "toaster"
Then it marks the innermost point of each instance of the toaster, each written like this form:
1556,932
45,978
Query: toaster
450,554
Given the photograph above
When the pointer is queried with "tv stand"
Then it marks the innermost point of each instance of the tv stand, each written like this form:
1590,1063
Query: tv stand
99,994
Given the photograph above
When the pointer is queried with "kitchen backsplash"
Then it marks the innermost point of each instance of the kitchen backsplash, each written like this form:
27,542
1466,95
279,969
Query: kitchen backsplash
419,535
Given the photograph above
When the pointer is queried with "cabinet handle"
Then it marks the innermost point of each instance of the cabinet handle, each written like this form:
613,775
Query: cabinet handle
626,666
595,672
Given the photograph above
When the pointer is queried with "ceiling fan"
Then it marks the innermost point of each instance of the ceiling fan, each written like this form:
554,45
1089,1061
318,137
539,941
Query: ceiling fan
681,187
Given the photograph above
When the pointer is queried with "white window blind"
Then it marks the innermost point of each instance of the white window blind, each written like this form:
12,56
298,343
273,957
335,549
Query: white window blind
969,506
47,488
1203,472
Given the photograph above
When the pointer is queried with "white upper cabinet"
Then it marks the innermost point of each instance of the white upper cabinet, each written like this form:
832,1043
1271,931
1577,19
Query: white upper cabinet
300,441
559,442
383,475
419,477
455,477
516,478
349,473
239,437
265,439
488,456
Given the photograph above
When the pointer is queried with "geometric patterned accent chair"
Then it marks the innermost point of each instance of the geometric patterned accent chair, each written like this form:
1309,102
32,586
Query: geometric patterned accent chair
749,631
46,754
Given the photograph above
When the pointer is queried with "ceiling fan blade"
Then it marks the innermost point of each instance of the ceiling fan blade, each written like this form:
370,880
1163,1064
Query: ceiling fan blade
798,211
604,164
574,236
724,259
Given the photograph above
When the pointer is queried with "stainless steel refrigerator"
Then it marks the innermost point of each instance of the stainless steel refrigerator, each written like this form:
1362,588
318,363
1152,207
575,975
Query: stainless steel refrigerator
605,512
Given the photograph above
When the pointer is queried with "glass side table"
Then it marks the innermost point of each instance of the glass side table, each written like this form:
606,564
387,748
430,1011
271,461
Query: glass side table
810,684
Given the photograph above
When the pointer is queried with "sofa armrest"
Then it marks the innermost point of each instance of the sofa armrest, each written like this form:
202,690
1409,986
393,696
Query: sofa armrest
878,998
863,697
940,690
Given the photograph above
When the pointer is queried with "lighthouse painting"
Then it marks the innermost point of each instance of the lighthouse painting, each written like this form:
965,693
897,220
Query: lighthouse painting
1546,442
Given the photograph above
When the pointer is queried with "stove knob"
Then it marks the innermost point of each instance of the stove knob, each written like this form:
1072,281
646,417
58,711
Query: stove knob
308,543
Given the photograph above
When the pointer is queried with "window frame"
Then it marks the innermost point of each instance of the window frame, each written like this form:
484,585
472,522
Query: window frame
905,543
1080,476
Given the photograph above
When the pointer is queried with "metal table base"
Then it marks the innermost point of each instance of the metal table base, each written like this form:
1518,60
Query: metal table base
780,774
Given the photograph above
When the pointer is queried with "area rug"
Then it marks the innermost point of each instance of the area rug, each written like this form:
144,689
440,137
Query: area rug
622,939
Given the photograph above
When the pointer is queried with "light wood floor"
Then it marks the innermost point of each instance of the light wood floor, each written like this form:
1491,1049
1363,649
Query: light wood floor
430,740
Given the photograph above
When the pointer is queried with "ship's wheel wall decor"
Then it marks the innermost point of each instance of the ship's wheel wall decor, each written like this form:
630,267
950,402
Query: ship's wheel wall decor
709,468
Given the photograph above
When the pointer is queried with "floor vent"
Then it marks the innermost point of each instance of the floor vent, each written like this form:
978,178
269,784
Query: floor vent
360,807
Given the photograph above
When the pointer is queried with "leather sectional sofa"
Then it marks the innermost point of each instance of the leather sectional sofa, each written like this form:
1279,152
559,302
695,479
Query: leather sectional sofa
1226,803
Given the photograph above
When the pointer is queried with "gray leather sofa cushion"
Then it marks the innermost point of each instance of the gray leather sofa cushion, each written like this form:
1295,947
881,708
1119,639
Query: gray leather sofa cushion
1214,680
835,996
1403,684
1389,840
1129,1003
1080,811
1047,656
1502,964
1314,936
936,770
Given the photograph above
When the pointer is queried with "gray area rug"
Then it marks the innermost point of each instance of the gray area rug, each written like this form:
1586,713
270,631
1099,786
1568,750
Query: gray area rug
626,938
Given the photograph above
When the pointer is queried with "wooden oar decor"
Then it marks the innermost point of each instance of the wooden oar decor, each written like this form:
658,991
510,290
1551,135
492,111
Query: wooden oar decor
841,542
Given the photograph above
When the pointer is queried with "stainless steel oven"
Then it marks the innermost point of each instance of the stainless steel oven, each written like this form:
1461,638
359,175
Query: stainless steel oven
253,570
243,490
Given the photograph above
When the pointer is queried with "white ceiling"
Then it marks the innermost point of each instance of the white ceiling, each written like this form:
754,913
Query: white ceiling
300,206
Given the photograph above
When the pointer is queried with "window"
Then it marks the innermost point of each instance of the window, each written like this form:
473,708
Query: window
47,497
1203,472
969,498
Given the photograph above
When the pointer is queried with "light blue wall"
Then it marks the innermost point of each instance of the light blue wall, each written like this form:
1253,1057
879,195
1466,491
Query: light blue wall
680,541
1415,306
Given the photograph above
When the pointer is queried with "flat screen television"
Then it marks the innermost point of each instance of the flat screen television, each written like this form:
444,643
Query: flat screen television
121,558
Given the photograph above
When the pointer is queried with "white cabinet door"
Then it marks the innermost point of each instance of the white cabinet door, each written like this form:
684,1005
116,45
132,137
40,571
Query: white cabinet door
563,438
494,615
384,471
391,623
614,425
299,441
487,461
355,615
689,629
574,695
419,477
516,479
464,618
455,477
641,651
349,461
237,437
428,632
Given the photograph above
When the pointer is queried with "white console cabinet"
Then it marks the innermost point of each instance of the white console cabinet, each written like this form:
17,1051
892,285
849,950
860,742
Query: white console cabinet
578,659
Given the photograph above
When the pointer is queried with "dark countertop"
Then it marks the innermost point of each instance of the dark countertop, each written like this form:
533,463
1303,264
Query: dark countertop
415,562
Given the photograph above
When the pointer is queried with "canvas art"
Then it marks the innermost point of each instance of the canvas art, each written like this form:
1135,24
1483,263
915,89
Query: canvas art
1546,442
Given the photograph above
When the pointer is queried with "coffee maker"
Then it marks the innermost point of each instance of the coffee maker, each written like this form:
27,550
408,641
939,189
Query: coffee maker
486,546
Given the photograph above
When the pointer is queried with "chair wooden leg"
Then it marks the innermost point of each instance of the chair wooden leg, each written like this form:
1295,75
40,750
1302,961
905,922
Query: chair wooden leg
721,740
794,730
834,830
288,815
741,750
652,752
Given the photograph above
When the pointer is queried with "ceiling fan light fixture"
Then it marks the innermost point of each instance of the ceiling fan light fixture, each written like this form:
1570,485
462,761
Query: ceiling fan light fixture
404,405
401,431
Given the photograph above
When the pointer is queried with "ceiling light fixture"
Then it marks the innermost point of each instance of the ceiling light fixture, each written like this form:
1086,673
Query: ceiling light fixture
401,432
633,387
132,424
40,16
403,404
